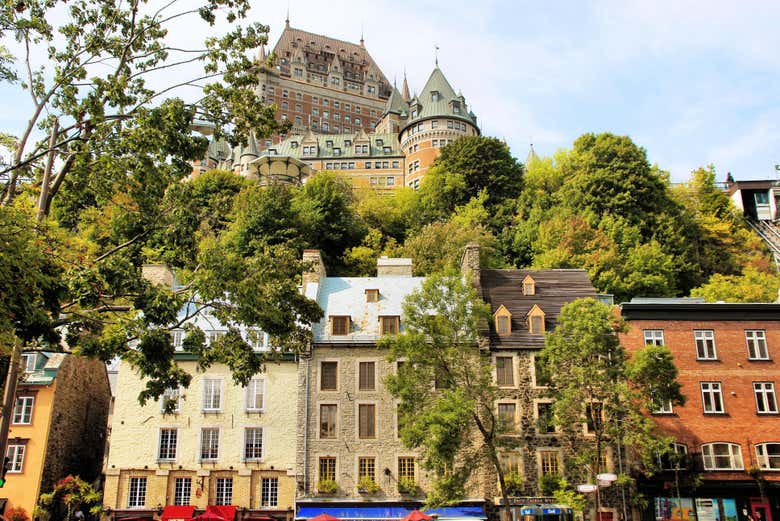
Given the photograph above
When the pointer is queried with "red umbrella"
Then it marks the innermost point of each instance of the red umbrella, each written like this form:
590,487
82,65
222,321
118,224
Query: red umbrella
416,515
208,516
324,517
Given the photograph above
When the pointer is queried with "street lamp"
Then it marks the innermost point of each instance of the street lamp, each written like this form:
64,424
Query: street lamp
602,481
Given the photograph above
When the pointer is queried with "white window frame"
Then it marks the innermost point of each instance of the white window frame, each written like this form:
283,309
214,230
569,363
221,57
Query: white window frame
254,428
269,496
25,415
260,341
200,444
756,341
169,395
28,362
214,334
765,397
15,454
765,460
139,501
654,336
734,455
677,448
208,398
179,498
160,444
224,490
251,395
177,337
715,390
704,339
664,407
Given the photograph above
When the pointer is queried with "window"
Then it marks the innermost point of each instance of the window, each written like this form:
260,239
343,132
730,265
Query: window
224,495
285,105
212,395
505,371
367,468
765,397
15,455
511,463
366,420
357,120
253,443
594,417
209,443
503,321
255,394
136,495
328,420
182,490
663,406
23,410
269,492
507,417
529,285
544,418
756,343
722,456
368,167
675,458
255,337
705,344
28,362
177,335
768,455
389,325
712,397
396,164
367,376
328,468
654,337
339,325
329,376
548,463
214,335
170,401
167,450
372,295
536,320
406,468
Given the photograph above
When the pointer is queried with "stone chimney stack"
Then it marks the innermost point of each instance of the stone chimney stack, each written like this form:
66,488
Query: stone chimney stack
389,267
158,274
469,264
317,267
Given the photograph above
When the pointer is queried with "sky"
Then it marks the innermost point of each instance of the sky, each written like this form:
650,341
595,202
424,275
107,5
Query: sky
694,83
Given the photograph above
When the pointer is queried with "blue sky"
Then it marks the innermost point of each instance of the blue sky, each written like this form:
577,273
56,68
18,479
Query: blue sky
692,82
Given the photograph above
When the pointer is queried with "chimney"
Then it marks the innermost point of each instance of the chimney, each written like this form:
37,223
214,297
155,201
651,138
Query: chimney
393,267
158,275
469,264
316,268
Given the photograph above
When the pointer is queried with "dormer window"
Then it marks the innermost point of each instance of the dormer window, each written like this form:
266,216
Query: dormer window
535,320
379,142
329,143
529,286
347,142
435,96
336,151
272,151
294,144
503,321
339,325
372,295
389,325
28,362
414,113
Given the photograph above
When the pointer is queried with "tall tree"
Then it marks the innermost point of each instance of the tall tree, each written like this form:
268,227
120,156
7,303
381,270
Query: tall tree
445,386
595,383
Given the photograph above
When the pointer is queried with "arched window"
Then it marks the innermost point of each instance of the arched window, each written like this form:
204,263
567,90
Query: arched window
768,456
722,456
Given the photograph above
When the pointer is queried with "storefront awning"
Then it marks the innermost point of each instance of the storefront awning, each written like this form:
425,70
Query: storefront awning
172,512
227,512
346,513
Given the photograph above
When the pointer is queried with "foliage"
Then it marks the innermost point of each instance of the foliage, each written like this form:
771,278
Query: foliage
594,382
16,514
566,495
366,485
451,421
327,486
514,484
69,495
407,486
549,483
751,286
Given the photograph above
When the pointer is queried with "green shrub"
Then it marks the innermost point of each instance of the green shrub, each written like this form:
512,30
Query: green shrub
549,483
407,486
514,484
327,486
366,485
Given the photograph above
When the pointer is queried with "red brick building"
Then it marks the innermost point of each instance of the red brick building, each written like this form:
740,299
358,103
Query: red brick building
728,432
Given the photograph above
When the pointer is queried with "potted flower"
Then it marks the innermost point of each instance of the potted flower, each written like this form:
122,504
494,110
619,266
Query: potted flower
327,486
366,485
407,486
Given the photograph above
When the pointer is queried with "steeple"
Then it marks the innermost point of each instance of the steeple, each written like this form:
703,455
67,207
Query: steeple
287,19
405,89
362,41
531,155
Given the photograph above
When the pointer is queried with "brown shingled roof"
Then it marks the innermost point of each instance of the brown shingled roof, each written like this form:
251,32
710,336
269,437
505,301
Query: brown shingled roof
554,288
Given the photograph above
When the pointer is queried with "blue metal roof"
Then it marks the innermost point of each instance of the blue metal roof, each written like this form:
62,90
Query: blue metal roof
388,512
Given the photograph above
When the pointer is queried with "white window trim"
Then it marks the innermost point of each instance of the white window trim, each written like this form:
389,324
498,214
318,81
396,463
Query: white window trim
763,394
249,394
221,395
200,443
159,443
146,490
763,460
262,443
711,391
653,339
763,337
714,345
177,409
12,462
24,399
260,495
732,453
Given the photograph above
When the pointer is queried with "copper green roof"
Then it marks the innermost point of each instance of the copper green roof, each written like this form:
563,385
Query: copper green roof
46,366
396,103
327,143
438,98
218,149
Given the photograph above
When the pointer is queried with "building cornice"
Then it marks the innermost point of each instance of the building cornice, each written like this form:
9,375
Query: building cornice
731,311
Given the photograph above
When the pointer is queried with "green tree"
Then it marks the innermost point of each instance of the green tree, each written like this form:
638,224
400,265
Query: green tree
445,386
68,496
594,382
751,286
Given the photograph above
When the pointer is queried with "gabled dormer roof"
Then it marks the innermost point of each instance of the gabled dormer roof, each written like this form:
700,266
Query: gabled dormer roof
395,103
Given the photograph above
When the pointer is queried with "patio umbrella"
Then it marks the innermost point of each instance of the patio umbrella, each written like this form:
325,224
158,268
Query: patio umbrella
416,515
324,517
208,516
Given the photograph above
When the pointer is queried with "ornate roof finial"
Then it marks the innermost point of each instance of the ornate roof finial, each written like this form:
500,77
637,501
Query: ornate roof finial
362,42
436,54
405,89
287,20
